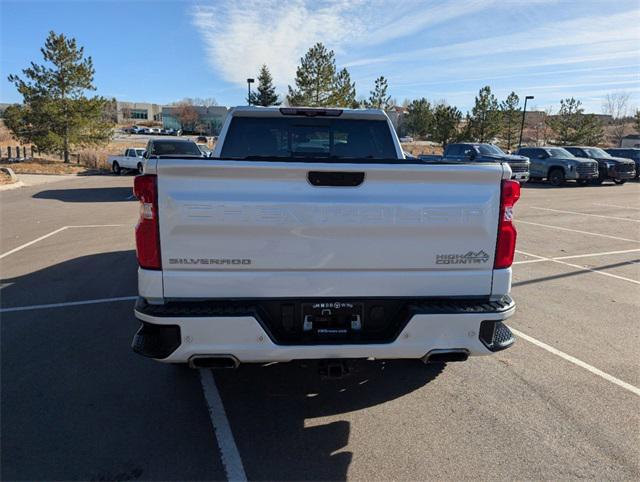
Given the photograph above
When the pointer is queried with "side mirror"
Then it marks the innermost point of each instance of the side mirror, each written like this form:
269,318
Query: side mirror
144,154
472,155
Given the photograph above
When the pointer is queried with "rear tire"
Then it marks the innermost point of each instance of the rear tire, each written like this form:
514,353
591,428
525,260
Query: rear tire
556,177
140,168
115,168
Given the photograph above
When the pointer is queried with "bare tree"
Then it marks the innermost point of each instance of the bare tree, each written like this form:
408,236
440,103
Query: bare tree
126,113
186,114
543,131
205,102
617,106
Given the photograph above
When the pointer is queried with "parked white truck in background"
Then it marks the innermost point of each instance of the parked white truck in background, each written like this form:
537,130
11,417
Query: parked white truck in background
309,235
132,160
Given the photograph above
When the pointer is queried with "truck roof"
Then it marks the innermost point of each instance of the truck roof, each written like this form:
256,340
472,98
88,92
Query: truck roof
331,112
174,140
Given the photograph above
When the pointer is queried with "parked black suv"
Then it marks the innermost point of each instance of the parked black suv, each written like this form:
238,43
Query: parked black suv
558,165
617,169
479,152
632,153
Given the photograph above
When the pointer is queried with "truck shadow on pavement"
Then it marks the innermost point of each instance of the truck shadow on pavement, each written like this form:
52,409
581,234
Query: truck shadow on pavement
95,276
88,195
76,402
118,416
576,273
277,413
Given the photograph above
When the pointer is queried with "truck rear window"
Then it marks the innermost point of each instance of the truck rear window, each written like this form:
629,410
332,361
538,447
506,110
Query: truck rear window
311,139
173,148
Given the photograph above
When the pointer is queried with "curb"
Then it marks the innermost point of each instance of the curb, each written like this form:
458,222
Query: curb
9,187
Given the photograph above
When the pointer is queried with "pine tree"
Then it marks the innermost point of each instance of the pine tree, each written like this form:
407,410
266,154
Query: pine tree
572,126
266,94
379,98
510,112
485,116
419,117
591,131
636,121
344,91
55,113
315,78
444,127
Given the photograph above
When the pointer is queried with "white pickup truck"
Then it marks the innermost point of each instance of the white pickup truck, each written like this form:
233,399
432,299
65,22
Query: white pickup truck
309,235
132,160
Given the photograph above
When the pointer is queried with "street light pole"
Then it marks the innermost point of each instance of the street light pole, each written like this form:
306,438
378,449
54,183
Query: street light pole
524,111
249,82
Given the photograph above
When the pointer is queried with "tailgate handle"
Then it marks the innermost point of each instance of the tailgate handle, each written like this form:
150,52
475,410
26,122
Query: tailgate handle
335,178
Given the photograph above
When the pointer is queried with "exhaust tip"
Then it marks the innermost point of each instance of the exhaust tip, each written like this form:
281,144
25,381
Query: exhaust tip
214,361
446,356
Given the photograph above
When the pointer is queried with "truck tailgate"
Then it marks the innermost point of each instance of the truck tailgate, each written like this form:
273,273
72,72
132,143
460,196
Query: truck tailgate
247,229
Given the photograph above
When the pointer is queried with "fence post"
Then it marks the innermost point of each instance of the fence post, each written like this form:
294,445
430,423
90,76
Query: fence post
9,152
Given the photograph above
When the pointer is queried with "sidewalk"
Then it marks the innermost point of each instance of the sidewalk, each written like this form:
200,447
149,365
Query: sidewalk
26,180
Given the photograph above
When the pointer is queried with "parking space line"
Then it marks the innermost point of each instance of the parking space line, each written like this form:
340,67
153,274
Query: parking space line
627,386
26,245
583,268
538,257
63,228
529,261
585,214
99,225
68,303
615,206
577,231
541,259
604,273
588,255
226,443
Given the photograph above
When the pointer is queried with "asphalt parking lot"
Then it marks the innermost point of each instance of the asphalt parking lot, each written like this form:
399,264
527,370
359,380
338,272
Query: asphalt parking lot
77,404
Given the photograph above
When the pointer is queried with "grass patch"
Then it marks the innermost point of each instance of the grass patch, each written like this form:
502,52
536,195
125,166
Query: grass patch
47,166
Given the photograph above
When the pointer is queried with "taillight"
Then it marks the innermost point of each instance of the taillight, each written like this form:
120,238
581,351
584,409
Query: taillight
506,244
147,232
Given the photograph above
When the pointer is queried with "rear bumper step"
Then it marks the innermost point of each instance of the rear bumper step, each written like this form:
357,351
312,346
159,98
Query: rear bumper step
248,331
495,335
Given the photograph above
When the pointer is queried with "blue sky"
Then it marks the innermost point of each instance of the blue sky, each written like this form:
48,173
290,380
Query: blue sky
165,50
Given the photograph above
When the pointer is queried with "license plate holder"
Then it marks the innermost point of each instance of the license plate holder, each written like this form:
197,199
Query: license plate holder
332,319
